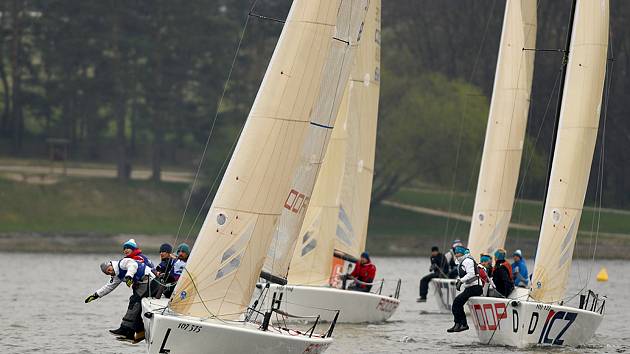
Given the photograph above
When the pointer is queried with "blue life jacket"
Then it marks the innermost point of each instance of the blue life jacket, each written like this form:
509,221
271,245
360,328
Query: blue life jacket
147,261
137,277
522,270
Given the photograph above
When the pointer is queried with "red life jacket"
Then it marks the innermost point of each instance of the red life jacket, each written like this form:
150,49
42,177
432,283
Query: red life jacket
364,272
507,266
136,255
483,274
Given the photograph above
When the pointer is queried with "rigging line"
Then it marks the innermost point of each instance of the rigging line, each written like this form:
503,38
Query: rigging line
192,281
214,120
602,154
472,73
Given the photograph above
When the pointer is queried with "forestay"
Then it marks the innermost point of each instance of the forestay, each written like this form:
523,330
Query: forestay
230,250
573,154
338,213
322,121
505,133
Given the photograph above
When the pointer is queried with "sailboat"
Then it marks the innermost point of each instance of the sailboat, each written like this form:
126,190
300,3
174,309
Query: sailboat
503,147
209,311
334,230
540,315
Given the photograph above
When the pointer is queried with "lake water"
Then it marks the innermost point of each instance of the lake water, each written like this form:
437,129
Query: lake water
43,311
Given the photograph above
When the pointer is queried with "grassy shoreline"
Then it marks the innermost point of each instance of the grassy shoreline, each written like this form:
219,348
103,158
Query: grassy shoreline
98,214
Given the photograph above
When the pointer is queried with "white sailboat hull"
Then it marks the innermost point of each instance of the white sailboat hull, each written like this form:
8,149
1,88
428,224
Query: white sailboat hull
443,291
354,306
186,335
521,324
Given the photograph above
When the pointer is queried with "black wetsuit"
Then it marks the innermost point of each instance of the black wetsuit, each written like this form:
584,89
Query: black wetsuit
502,278
439,269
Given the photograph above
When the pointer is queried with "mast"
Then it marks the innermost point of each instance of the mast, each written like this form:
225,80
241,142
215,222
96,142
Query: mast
505,132
573,153
563,74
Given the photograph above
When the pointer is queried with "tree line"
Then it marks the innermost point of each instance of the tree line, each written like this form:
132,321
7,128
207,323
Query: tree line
138,83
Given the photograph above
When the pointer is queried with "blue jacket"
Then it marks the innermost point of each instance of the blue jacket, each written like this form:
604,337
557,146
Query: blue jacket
519,271
168,265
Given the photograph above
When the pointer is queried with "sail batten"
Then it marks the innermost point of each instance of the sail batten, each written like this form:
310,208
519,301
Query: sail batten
505,132
337,216
573,153
230,249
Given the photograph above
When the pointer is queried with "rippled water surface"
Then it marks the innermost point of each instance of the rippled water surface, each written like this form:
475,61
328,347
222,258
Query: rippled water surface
43,311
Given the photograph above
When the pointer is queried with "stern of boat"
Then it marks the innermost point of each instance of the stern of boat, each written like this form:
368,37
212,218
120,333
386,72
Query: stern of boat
443,291
519,323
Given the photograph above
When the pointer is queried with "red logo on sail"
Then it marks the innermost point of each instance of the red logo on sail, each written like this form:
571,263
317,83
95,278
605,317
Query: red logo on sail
296,201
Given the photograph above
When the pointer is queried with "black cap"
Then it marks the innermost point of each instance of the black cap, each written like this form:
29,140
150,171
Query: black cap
166,248
435,249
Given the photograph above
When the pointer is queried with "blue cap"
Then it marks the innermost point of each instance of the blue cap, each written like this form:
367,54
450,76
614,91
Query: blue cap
460,249
499,254
485,258
183,248
131,244
365,255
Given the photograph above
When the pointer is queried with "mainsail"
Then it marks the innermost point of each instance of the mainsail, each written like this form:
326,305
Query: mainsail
322,122
231,247
505,132
573,153
338,213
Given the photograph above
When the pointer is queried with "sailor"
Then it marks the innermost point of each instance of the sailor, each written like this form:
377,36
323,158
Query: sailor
183,251
502,274
450,258
439,269
468,280
137,276
364,273
165,273
519,270
485,272
485,260
131,250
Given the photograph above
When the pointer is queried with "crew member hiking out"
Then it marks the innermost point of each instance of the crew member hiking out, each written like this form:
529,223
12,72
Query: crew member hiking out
519,270
451,259
502,275
364,273
137,276
468,278
439,269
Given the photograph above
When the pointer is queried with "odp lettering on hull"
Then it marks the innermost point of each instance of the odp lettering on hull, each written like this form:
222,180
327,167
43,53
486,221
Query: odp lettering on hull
387,305
487,317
